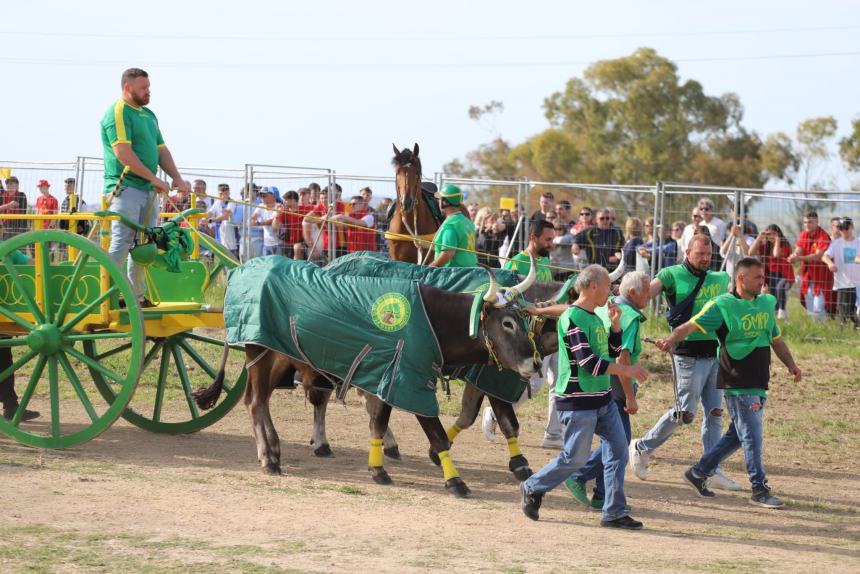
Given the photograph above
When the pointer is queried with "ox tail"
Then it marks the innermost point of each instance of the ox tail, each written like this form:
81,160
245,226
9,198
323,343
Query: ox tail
207,397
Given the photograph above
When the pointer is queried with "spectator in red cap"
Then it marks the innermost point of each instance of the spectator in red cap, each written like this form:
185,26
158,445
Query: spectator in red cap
46,204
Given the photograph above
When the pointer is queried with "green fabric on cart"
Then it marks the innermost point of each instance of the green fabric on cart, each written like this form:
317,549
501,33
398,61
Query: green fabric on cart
326,319
506,385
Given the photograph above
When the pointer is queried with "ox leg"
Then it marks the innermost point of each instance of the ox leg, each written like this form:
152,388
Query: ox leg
380,413
319,399
389,441
259,388
439,442
510,427
470,406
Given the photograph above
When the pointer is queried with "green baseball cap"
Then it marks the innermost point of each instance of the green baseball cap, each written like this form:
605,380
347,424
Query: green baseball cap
452,194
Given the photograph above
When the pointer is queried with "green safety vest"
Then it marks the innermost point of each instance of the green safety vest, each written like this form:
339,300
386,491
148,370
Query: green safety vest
457,231
598,338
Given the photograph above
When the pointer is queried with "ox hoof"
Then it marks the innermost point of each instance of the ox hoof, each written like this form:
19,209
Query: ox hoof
273,469
520,467
392,453
457,488
435,457
379,475
323,450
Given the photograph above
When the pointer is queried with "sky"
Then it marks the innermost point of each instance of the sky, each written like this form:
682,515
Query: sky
332,84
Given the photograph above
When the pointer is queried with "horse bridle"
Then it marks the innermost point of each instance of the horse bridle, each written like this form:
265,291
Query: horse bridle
413,229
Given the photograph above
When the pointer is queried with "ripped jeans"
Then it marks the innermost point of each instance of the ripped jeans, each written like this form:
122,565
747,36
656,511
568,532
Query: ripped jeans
747,432
697,382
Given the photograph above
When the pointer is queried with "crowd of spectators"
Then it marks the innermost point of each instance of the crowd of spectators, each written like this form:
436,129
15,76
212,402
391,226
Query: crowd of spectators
827,264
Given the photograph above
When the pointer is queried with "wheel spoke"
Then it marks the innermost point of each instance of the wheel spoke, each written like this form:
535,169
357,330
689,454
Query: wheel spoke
86,310
73,284
44,267
162,382
54,387
17,342
18,364
114,351
186,384
16,279
151,354
211,341
95,336
76,384
93,364
28,392
17,318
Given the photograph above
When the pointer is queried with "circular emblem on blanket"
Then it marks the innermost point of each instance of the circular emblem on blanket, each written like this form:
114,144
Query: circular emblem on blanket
390,312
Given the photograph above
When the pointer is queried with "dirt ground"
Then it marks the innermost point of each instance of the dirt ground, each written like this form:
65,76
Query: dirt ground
132,501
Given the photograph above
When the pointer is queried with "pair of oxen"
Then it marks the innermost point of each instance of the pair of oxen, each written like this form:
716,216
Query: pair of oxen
504,341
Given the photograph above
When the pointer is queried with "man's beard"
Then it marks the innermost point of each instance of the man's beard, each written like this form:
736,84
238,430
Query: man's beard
543,252
142,101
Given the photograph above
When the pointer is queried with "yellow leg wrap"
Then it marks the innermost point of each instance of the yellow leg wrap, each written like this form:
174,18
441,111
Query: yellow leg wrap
375,456
453,432
514,446
448,468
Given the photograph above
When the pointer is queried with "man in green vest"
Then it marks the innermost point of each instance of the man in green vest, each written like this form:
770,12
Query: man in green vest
455,241
132,139
540,242
584,400
745,324
635,295
695,360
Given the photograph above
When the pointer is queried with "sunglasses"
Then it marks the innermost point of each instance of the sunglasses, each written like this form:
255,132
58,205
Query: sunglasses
706,208
604,219
585,214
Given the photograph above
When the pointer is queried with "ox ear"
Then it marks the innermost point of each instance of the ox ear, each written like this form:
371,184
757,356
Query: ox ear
475,315
415,150
563,295
396,151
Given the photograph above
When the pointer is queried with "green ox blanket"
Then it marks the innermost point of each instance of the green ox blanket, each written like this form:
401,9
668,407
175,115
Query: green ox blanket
370,331
507,384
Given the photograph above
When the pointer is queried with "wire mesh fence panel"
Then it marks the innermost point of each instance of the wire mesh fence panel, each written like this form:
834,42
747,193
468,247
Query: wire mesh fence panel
22,194
276,225
374,196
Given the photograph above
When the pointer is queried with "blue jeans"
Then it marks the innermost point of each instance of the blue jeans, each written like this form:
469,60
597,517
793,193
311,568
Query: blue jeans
697,381
746,431
579,428
593,469
140,206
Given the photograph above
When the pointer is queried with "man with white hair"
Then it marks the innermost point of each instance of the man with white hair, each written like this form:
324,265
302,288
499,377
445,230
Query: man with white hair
584,400
715,225
635,293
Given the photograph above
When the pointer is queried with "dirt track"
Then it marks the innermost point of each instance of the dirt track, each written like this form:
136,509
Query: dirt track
140,502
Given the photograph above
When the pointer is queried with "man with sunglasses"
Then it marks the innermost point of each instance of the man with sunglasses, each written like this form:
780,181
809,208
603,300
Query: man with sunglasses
586,220
360,235
715,225
602,243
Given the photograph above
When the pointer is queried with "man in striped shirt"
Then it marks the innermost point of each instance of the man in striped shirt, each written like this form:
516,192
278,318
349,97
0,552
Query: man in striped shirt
584,399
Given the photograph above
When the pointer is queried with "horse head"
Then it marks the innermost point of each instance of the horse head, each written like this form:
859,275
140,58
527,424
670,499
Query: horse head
407,169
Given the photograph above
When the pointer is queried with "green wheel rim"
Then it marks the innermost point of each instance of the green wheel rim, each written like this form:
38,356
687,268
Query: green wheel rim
164,403
47,349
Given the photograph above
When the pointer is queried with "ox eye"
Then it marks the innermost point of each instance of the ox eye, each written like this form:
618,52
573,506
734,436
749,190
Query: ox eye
509,325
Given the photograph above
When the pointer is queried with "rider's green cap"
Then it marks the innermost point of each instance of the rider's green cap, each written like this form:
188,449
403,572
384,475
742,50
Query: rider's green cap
452,194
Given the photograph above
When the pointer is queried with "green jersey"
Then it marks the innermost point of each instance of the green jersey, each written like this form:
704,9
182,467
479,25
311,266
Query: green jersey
521,263
125,124
679,282
583,357
746,329
457,231
631,341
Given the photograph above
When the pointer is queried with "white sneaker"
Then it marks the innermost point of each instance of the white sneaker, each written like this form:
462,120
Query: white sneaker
639,461
488,424
553,443
722,481
782,315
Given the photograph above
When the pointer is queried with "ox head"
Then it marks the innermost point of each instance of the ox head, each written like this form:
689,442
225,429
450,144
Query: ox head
505,327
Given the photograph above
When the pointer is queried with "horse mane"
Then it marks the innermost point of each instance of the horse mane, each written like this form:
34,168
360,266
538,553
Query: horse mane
405,157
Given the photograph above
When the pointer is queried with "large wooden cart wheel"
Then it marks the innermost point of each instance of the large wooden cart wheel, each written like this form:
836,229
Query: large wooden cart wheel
48,311
163,402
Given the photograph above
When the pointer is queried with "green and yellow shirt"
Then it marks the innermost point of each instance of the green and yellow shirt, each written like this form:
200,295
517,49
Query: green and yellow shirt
124,123
678,282
457,231
521,263
745,329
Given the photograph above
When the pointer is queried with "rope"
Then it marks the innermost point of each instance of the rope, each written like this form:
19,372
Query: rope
386,234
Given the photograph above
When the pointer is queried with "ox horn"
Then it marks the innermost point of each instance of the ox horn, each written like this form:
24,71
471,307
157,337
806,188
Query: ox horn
490,297
618,273
517,290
